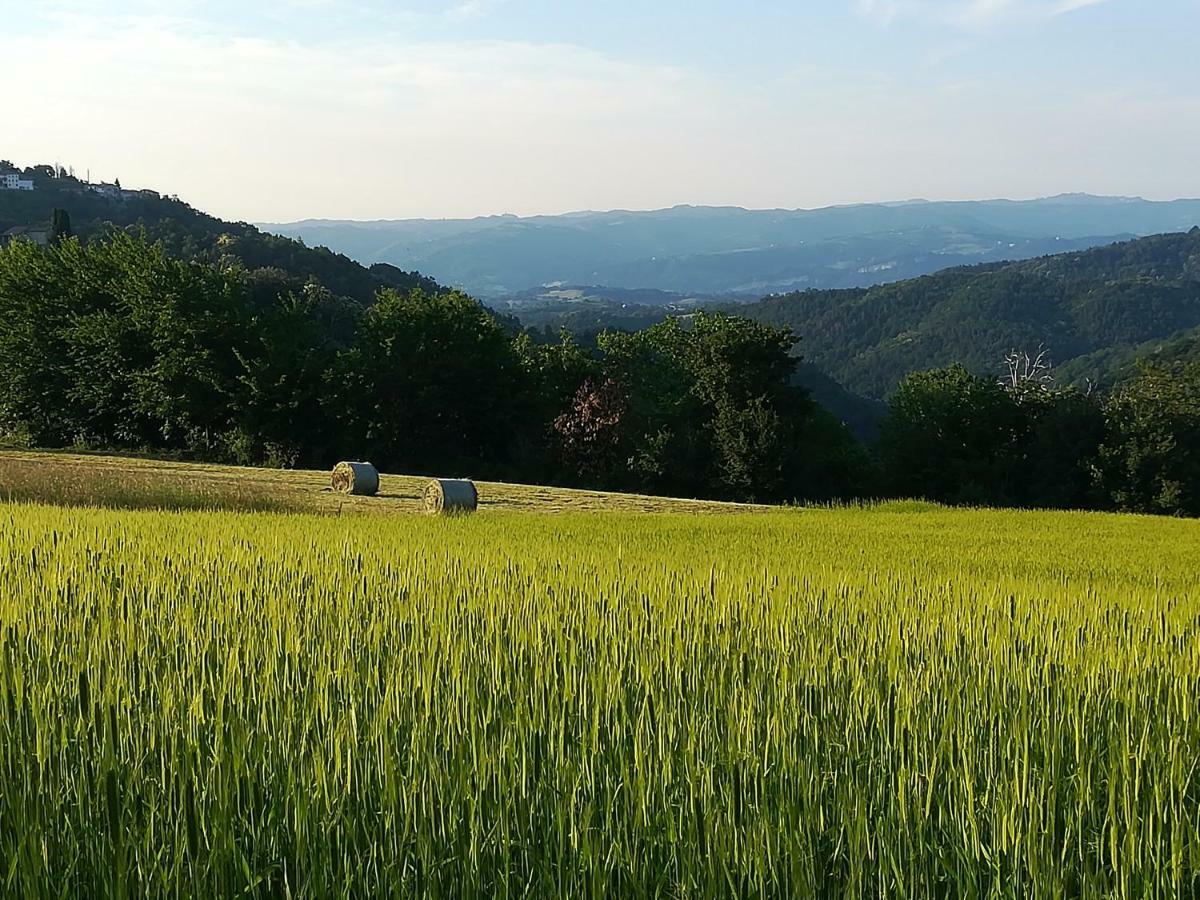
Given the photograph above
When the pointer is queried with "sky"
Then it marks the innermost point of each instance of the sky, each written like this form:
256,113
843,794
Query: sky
263,110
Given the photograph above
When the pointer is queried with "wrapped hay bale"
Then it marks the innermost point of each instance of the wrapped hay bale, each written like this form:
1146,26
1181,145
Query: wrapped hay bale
358,478
450,495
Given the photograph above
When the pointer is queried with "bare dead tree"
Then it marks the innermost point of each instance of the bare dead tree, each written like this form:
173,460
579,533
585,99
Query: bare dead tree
1023,370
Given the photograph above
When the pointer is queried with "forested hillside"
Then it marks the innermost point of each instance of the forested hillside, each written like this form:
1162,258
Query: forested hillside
1111,366
188,234
1095,312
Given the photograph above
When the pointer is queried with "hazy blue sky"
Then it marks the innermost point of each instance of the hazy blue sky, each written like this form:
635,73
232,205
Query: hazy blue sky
267,110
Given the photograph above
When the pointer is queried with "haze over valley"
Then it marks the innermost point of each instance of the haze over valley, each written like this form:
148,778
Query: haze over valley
706,252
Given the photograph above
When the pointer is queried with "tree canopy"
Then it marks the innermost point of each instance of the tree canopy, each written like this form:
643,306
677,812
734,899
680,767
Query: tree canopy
114,343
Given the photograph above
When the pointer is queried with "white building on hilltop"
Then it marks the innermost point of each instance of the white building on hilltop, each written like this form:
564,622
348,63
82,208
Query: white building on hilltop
12,181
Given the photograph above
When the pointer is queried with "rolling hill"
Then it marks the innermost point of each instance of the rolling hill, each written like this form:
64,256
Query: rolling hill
1094,311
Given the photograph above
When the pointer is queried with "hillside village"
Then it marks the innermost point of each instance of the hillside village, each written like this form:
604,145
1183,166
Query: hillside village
59,186
13,178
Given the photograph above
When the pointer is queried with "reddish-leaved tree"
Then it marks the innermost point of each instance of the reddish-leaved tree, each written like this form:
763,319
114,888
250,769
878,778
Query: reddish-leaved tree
589,433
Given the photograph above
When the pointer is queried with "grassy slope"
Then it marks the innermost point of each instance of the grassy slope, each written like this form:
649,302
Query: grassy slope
132,482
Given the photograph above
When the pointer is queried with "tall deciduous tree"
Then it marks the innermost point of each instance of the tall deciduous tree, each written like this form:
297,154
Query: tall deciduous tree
708,407
1150,461
429,384
950,436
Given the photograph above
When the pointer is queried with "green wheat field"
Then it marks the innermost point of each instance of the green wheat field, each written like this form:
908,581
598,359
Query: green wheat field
900,701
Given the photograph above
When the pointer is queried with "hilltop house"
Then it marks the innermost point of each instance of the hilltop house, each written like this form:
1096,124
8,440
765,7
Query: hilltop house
105,190
12,181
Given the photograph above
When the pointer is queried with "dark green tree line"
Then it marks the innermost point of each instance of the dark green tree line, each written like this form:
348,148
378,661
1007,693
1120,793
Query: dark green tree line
116,344
956,437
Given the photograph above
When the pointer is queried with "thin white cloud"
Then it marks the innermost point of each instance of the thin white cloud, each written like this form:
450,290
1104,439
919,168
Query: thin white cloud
969,13
471,9
1069,6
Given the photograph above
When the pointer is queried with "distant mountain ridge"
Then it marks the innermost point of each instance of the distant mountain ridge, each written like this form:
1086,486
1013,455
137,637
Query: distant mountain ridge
735,251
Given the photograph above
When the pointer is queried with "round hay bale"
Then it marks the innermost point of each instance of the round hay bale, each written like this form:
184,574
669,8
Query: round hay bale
360,479
451,495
